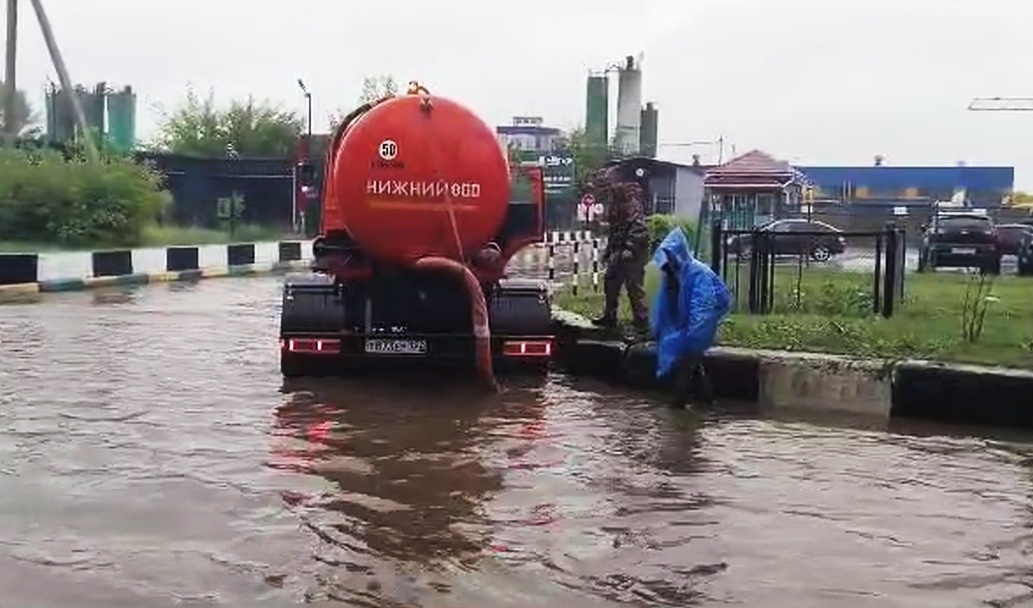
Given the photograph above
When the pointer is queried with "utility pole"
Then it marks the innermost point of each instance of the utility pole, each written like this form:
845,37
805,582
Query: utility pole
308,101
62,75
1001,104
11,76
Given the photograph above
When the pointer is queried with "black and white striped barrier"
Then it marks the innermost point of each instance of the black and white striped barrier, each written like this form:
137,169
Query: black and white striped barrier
563,258
27,273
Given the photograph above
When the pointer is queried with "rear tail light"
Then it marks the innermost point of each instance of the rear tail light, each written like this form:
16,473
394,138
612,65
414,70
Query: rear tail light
312,346
527,348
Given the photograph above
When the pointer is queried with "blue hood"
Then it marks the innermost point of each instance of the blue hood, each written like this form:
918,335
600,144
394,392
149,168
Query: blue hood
674,247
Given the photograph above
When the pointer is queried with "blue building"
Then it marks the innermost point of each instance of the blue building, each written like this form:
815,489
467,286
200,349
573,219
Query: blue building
981,186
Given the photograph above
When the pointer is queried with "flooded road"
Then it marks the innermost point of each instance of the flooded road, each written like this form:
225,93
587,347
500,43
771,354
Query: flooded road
151,455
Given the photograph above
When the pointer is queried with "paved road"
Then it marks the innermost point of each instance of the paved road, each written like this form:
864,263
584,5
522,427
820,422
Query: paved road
150,455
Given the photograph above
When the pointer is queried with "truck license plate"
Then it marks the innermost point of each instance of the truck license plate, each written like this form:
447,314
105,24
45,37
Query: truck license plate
963,251
388,346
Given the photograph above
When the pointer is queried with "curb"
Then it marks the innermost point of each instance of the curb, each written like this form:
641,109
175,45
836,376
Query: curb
21,292
775,380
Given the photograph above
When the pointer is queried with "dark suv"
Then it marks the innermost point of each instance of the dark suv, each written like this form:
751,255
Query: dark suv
961,240
1013,237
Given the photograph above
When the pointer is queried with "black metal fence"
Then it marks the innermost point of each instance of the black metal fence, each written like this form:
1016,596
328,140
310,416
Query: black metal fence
811,272
197,184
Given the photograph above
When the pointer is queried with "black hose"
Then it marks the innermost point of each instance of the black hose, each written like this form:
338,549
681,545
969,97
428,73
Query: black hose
342,128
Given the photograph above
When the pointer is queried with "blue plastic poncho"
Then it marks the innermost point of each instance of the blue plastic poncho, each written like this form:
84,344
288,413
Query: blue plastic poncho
685,321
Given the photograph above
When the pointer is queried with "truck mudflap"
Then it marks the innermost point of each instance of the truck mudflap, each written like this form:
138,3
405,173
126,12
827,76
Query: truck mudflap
314,340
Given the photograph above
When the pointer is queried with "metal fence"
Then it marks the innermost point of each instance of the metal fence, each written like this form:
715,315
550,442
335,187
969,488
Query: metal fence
811,271
857,273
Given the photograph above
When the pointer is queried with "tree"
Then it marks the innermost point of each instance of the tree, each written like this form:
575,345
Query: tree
23,119
588,156
377,87
373,88
198,127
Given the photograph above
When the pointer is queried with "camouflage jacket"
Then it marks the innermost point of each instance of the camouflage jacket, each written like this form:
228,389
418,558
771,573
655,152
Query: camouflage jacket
627,219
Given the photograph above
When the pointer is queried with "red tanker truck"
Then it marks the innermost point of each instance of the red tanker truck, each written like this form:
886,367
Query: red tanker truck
421,211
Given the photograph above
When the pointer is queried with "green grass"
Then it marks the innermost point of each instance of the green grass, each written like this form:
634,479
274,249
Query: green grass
829,311
163,236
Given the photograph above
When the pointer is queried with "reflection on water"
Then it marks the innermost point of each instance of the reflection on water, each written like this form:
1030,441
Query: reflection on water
432,491
151,456
408,486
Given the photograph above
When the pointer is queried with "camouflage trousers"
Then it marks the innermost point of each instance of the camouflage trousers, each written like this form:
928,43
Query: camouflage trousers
631,275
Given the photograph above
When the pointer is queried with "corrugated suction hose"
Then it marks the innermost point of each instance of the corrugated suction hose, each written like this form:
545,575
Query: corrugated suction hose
478,314
478,307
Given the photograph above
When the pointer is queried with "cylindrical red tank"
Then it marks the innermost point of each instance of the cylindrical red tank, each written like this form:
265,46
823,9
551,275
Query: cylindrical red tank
409,168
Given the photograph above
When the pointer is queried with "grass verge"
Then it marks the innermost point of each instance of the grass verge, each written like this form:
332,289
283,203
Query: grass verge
166,236
831,311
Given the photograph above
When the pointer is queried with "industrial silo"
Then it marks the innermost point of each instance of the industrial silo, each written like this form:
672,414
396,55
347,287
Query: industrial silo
122,120
60,118
597,110
629,107
93,108
648,135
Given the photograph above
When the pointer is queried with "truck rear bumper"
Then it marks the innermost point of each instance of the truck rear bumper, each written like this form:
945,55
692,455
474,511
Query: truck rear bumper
328,354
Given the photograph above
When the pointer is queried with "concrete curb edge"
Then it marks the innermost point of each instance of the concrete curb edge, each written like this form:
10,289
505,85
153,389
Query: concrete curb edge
776,380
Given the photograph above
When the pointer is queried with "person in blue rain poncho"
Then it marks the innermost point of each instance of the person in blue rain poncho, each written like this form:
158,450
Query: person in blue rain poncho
687,309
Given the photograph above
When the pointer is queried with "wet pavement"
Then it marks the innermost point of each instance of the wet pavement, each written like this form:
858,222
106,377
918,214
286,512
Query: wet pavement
151,455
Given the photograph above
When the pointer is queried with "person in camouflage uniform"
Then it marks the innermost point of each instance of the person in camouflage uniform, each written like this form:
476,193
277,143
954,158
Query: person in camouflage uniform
627,245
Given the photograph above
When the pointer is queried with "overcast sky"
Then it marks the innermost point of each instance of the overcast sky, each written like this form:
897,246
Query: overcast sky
811,81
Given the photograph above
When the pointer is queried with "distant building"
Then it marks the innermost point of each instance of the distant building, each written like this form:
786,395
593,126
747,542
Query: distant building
673,188
977,186
753,189
528,134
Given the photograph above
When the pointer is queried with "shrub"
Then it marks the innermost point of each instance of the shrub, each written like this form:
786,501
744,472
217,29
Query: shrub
661,225
843,298
46,198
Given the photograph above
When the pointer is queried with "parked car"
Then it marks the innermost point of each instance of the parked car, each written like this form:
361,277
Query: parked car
1011,237
960,240
1025,257
817,239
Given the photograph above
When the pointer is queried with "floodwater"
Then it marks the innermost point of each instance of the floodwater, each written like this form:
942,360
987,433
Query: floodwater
150,455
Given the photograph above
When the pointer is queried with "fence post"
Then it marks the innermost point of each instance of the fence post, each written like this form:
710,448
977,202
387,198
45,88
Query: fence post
760,275
595,265
550,261
877,287
767,272
576,281
889,289
716,246
902,268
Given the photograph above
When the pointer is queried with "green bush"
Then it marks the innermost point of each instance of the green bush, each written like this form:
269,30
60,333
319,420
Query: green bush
661,225
47,199
843,298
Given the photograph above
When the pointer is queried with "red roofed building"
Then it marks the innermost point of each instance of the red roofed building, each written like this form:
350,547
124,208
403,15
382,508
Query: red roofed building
752,189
